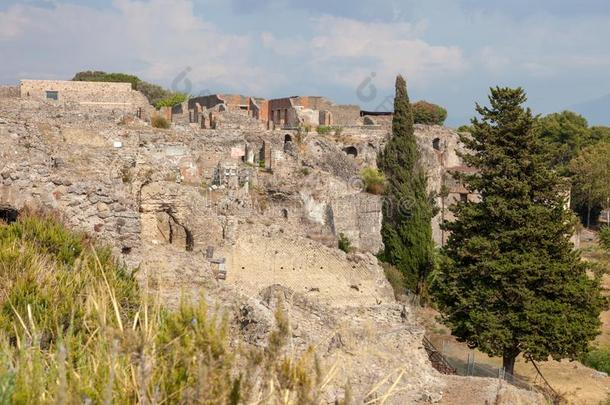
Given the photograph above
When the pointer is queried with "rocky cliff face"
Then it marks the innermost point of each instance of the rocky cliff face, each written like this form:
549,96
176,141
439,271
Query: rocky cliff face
248,216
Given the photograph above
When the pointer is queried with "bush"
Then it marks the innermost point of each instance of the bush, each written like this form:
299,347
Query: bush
604,237
171,100
158,121
326,129
598,359
153,92
97,76
75,329
374,180
344,244
428,113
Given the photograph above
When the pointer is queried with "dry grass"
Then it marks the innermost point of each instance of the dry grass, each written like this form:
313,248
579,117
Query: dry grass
75,328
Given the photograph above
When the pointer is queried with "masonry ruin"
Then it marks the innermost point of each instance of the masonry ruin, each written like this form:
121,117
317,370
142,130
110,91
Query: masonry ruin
240,198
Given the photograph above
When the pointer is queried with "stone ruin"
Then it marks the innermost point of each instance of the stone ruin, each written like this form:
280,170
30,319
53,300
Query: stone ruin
224,204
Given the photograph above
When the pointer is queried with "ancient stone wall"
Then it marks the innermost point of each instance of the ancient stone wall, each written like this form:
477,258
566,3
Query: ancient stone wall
100,94
344,114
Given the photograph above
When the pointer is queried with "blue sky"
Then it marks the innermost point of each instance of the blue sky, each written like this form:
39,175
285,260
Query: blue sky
451,51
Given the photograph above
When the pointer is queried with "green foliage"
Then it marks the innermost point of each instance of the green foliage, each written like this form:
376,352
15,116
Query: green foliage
97,76
598,359
566,133
171,100
158,121
153,92
428,113
604,237
261,163
41,264
590,174
327,129
344,244
511,281
407,210
465,128
75,329
374,180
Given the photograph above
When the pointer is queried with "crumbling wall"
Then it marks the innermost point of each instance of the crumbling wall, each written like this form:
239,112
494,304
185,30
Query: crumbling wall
344,115
100,94
358,217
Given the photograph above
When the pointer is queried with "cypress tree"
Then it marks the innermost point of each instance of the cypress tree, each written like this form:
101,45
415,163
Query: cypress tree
512,281
407,209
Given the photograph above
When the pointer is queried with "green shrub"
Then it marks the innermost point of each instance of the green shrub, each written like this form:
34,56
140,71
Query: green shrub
171,100
158,121
428,113
327,129
261,163
598,359
324,129
344,244
374,180
97,76
604,237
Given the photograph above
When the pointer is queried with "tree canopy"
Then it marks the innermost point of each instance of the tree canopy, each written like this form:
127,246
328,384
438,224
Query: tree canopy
407,208
511,281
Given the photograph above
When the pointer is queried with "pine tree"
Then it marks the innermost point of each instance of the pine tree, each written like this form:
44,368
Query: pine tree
407,208
512,282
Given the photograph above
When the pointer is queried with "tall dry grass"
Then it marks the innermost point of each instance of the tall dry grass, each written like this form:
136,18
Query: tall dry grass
75,328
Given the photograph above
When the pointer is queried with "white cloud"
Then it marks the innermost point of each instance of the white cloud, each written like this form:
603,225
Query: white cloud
12,23
161,37
346,51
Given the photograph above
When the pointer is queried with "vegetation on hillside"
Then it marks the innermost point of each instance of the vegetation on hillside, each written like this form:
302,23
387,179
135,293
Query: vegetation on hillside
428,113
156,95
407,208
374,180
590,171
511,281
75,328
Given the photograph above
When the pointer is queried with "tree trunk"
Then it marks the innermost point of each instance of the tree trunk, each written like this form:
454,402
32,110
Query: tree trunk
508,362
589,214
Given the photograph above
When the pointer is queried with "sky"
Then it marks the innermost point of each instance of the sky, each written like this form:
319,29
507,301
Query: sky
450,51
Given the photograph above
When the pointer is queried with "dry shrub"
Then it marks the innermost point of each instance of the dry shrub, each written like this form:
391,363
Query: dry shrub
158,121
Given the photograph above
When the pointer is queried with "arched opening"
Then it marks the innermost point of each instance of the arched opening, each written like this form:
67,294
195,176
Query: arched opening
8,214
284,213
351,151
436,143
287,143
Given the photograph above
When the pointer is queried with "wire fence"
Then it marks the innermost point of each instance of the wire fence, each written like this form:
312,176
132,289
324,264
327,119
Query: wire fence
452,358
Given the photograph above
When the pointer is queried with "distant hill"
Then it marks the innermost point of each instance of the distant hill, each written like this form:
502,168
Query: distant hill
597,111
